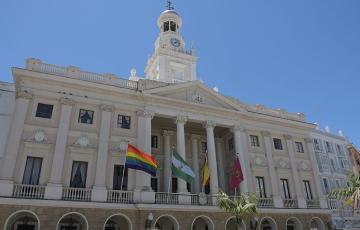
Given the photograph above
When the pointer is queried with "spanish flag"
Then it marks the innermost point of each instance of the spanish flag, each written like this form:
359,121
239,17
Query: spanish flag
139,160
206,173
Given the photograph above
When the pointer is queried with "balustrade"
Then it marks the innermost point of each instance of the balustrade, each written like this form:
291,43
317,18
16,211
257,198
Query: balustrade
290,203
166,198
118,196
29,191
76,194
265,203
313,203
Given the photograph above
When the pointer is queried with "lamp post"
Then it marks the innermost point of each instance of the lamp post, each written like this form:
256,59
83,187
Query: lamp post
254,223
148,221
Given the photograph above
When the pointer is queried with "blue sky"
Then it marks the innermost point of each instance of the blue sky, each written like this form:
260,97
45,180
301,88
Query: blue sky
303,56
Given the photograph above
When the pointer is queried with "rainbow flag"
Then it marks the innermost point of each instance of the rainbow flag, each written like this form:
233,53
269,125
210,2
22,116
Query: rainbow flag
139,160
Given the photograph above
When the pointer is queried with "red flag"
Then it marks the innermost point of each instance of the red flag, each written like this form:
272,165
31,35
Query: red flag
237,176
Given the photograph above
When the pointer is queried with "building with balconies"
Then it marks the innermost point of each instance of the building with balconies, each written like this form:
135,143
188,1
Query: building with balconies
63,162
335,163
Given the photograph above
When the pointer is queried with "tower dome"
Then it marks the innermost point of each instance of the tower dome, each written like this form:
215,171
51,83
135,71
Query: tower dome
169,20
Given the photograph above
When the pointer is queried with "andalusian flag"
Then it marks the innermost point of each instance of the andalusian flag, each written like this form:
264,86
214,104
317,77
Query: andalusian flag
139,160
206,172
180,168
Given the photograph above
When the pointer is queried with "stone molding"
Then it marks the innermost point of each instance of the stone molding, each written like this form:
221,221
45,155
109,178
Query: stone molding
209,124
67,101
24,94
167,133
181,119
238,128
195,137
265,133
145,113
308,140
287,137
107,108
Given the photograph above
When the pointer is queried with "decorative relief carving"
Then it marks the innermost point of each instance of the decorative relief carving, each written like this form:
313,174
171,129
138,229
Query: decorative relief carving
24,94
197,98
145,113
238,127
83,141
303,166
67,101
38,137
181,119
209,124
283,163
259,161
107,108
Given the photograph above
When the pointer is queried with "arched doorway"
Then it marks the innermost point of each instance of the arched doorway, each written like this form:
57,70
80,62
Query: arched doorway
230,224
202,223
116,221
22,220
316,224
293,224
267,223
166,222
72,221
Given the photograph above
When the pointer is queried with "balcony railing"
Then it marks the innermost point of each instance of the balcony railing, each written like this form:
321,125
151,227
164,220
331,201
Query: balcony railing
76,194
29,191
166,198
265,203
290,203
118,196
313,203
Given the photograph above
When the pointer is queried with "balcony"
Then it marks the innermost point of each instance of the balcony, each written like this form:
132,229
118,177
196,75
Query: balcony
118,196
76,194
29,191
166,198
313,203
290,203
265,203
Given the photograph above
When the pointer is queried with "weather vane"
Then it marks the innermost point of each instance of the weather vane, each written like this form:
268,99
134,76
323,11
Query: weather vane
169,5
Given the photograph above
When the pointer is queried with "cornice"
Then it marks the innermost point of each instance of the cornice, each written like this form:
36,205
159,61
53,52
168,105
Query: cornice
288,137
265,133
67,101
209,124
24,95
107,108
181,119
145,113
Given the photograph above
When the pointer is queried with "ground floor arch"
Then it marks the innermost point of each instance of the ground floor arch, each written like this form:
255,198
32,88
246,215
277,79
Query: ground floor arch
72,221
202,223
166,222
293,223
118,222
316,224
230,224
267,223
22,219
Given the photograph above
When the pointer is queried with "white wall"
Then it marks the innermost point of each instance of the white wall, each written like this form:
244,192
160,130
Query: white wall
7,103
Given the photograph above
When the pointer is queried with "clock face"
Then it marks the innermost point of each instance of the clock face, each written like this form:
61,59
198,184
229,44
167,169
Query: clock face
175,42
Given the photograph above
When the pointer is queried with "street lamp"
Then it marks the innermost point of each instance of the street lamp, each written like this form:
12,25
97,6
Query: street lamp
254,223
148,221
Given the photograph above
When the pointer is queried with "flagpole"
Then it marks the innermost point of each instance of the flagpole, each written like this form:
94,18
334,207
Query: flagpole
123,170
170,177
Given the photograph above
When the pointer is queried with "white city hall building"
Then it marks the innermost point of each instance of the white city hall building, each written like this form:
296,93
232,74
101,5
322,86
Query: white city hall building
62,166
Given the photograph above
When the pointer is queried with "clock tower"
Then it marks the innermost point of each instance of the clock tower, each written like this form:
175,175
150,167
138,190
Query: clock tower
171,61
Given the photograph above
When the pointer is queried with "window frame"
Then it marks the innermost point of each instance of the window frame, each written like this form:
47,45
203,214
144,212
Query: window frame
122,124
260,186
30,182
71,185
278,146
299,147
307,189
254,140
153,138
286,188
39,114
92,116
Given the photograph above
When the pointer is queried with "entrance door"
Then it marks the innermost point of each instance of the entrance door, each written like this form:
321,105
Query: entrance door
290,228
266,228
25,227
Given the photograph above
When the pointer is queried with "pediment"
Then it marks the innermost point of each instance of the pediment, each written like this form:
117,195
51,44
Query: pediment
195,92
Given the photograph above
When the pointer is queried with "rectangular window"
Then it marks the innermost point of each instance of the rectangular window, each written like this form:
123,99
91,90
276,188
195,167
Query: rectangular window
326,186
317,145
333,166
118,178
154,142
86,116
299,147
286,190
174,185
231,143
154,184
307,189
329,147
32,170
123,121
254,141
166,26
277,144
44,110
260,187
203,147
78,174
339,149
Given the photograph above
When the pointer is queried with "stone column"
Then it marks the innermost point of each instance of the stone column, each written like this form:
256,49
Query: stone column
180,137
247,169
143,191
274,180
167,160
214,184
12,148
99,192
294,169
240,152
219,144
195,162
54,187
315,169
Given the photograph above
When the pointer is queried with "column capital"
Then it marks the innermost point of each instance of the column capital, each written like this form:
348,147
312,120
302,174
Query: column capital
24,94
308,140
195,137
209,124
218,139
288,137
67,101
107,108
238,127
181,119
145,113
265,133
167,133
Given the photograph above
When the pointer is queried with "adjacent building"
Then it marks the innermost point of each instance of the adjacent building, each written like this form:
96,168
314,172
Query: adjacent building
62,166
